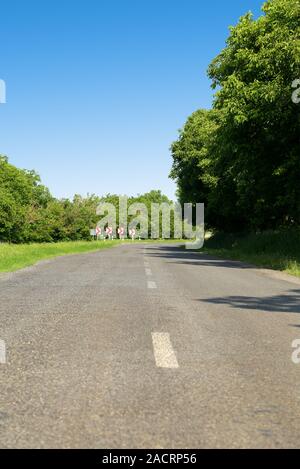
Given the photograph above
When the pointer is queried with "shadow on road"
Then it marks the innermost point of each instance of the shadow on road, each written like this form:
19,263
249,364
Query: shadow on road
289,303
285,303
182,256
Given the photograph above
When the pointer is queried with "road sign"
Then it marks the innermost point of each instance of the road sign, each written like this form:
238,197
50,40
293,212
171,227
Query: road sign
121,232
109,231
98,231
93,232
132,233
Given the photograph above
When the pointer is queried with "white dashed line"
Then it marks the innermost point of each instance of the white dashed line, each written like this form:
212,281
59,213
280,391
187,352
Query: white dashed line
148,272
164,354
151,285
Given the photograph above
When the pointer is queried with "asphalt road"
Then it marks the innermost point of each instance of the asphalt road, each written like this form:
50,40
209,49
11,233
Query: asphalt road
148,347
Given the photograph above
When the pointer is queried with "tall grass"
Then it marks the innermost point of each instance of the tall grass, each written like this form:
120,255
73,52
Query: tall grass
278,250
17,256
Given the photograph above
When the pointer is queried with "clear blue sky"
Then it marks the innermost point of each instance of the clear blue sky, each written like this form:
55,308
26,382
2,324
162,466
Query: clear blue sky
97,90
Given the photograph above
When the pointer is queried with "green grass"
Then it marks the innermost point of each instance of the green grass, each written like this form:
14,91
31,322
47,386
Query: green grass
17,256
278,250
275,250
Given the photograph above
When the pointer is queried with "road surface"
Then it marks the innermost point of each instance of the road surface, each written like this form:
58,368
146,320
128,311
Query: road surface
148,346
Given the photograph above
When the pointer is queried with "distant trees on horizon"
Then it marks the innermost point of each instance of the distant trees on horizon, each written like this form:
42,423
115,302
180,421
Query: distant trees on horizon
29,213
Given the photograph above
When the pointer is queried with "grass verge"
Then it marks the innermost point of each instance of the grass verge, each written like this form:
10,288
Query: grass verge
278,250
18,256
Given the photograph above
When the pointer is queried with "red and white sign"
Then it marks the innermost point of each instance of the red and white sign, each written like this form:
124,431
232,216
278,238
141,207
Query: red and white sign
121,231
98,231
109,231
132,233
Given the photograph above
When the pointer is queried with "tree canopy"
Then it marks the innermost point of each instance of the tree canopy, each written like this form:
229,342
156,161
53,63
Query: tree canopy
242,158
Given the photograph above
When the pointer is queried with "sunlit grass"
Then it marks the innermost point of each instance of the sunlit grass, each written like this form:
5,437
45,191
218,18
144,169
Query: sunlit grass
17,256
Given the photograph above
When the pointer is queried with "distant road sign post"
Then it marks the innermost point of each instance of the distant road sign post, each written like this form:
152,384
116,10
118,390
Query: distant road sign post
132,233
121,233
109,232
98,231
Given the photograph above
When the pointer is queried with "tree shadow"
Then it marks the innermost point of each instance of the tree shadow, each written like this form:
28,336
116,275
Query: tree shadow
289,303
190,257
283,303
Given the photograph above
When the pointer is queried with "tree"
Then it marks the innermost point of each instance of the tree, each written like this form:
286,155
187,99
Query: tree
258,141
16,194
152,197
242,157
28,212
193,159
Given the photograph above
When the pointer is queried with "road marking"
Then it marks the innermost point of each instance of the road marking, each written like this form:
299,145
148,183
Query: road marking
148,272
164,354
151,285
